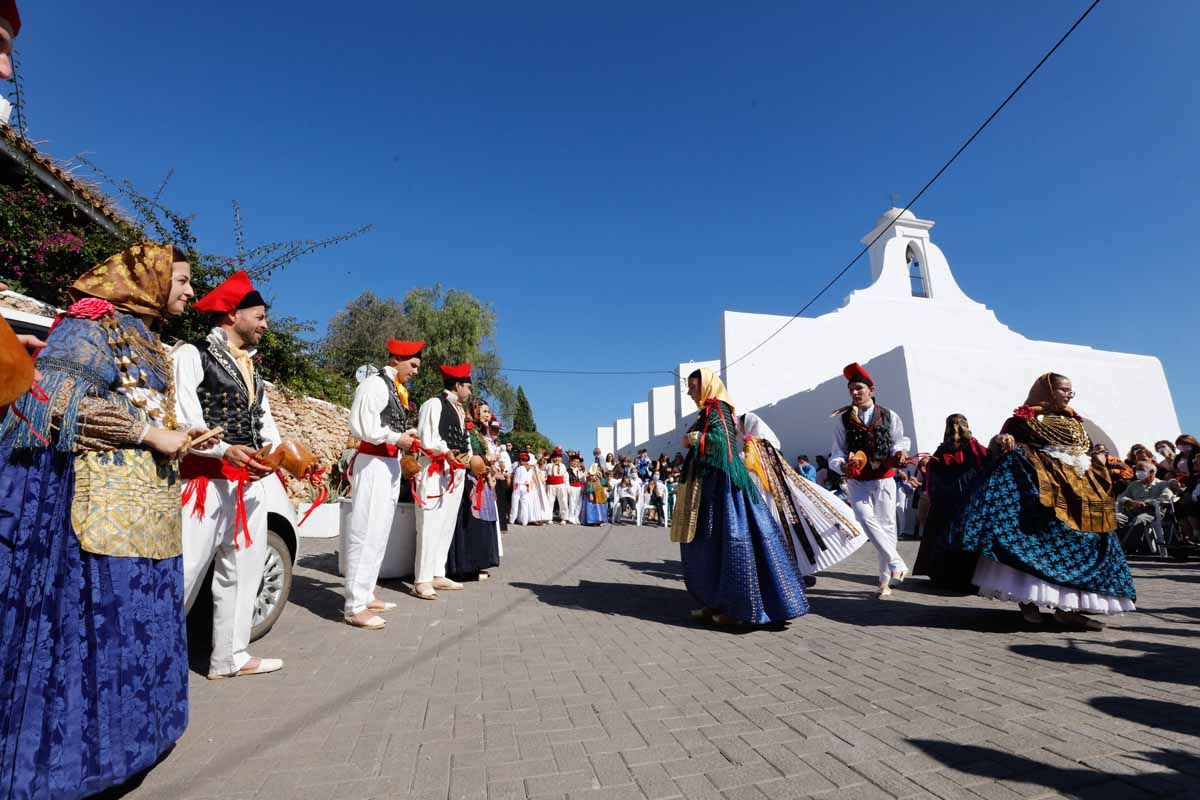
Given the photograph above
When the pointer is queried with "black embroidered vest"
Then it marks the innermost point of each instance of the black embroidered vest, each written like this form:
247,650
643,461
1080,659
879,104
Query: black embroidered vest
451,429
395,415
875,440
225,398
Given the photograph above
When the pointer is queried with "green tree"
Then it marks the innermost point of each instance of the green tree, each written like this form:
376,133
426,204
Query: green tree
358,333
531,441
456,326
523,414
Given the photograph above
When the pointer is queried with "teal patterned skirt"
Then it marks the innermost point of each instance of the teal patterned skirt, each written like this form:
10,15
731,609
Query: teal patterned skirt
1005,521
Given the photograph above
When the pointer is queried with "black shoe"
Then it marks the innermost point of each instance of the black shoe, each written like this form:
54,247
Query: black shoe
810,581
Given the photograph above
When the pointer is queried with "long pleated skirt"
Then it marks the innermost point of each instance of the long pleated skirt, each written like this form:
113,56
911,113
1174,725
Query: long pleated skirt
1026,554
738,561
93,649
475,546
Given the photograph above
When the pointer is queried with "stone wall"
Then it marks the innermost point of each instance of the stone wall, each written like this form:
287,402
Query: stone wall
320,426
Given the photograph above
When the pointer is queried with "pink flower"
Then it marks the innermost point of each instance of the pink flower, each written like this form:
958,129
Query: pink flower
90,308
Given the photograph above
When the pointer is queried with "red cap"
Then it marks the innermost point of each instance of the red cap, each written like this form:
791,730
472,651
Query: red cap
523,457
459,372
401,349
236,292
855,373
557,453
8,10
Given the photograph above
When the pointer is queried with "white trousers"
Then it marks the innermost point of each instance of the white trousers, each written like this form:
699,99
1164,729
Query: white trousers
375,488
520,511
874,504
562,495
576,504
438,508
237,572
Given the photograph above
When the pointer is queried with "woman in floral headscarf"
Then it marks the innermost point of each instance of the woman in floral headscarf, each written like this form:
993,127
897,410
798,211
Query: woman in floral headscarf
93,671
736,559
1044,520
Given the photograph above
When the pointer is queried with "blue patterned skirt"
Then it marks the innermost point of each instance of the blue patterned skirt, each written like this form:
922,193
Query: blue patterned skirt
739,561
593,513
1005,521
93,649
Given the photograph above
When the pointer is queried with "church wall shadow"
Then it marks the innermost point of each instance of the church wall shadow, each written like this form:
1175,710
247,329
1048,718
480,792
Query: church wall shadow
1082,782
1151,661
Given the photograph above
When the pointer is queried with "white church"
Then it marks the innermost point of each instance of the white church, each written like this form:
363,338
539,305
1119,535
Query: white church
931,350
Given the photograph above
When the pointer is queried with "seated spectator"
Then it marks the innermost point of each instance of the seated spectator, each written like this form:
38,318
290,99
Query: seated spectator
656,495
1187,473
1138,504
627,495
1139,452
1166,459
806,469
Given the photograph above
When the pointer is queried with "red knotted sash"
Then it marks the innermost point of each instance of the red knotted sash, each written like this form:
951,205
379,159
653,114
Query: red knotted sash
198,471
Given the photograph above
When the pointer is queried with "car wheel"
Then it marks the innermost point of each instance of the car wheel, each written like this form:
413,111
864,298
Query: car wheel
275,587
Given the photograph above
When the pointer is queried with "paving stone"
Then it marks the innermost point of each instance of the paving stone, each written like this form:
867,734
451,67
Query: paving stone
575,673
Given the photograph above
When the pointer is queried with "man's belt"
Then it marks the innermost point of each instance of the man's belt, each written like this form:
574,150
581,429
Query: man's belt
384,449
555,480
198,471
575,485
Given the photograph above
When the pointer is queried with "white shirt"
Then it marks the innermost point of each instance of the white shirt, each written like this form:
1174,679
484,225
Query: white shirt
189,374
838,454
506,462
370,399
429,421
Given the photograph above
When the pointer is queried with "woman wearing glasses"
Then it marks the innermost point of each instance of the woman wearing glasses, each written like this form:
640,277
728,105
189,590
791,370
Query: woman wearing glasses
1044,519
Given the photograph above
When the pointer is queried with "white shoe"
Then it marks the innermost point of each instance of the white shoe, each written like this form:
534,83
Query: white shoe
262,667
885,591
447,585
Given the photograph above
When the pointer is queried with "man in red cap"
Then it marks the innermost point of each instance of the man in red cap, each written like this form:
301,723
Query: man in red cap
384,422
868,444
524,510
556,486
10,26
224,514
442,429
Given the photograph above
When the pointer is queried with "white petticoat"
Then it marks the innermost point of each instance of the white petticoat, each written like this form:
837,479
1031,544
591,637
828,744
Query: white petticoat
1001,582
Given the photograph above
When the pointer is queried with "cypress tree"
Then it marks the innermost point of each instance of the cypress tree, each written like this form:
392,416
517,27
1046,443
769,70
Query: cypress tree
523,414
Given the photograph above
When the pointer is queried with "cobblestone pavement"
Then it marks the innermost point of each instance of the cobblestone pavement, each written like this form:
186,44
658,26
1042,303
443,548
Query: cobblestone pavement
575,673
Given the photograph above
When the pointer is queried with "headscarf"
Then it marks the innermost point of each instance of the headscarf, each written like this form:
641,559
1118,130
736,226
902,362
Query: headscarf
712,388
949,438
1041,394
136,280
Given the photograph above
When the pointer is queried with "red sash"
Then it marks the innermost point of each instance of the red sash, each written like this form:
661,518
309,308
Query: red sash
385,450
198,471
555,480
576,485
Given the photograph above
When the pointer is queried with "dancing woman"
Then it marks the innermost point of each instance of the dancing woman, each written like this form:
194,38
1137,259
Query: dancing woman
736,560
476,545
1044,520
94,668
954,471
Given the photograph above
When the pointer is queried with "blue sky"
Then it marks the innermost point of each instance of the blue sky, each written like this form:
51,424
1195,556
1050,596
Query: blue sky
613,177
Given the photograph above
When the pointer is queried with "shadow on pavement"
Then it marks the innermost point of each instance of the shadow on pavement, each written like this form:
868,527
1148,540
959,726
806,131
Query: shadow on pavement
838,605
319,596
1151,661
1088,783
661,604
671,570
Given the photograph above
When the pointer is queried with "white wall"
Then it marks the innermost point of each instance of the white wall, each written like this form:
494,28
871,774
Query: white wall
605,442
929,357
640,414
662,410
623,433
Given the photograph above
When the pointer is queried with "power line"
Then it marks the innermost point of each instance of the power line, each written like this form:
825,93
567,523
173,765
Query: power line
591,371
970,139
924,188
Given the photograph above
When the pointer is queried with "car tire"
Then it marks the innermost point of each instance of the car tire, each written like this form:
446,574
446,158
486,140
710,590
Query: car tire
275,587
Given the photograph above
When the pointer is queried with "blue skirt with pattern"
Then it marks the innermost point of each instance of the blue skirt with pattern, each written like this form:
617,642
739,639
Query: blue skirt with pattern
93,649
739,561
593,513
1004,520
